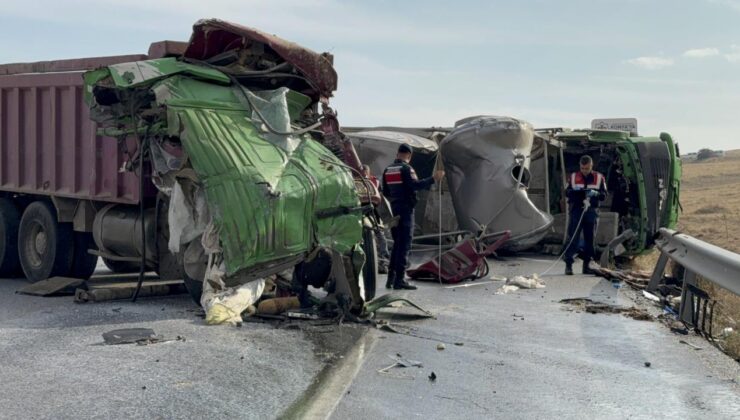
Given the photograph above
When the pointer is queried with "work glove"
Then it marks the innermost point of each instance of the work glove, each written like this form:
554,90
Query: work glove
592,193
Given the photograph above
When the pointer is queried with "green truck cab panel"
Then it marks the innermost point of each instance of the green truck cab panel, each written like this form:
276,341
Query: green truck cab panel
652,168
272,197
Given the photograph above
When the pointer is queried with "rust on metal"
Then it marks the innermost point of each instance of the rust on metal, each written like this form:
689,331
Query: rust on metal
213,36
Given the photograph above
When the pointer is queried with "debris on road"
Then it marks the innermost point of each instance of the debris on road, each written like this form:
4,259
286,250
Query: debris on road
478,283
52,286
637,279
441,346
592,307
400,362
650,296
647,364
278,305
432,377
140,336
506,289
385,300
467,260
521,282
124,291
224,305
693,346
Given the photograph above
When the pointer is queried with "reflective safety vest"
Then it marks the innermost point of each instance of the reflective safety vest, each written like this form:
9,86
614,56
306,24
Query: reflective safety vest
578,181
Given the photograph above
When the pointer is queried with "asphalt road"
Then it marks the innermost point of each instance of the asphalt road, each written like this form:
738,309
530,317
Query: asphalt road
53,364
525,355
522,355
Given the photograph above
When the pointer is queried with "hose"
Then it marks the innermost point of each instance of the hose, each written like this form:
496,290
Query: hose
586,206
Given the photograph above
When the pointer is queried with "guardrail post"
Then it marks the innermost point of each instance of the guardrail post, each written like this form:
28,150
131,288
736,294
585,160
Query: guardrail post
687,311
657,273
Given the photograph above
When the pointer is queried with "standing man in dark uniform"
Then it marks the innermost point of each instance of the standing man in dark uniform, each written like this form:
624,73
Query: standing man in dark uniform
400,184
583,185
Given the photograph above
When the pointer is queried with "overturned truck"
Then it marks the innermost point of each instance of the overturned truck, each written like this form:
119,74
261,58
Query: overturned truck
502,174
236,171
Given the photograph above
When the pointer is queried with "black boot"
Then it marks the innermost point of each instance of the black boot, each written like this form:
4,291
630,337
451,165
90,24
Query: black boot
568,269
402,284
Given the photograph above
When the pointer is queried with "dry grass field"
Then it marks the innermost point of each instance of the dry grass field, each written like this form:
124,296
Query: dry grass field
710,197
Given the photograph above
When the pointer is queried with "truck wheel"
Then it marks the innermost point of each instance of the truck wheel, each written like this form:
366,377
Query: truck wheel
9,220
121,266
370,269
45,246
195,287
83,263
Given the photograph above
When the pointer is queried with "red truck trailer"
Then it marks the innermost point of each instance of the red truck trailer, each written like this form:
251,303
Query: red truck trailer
57,174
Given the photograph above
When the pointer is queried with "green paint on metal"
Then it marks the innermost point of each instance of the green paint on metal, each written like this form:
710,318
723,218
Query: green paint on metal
264,197
127,75
637,219
673,207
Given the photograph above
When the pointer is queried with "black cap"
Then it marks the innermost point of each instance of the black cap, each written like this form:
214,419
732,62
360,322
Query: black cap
404,148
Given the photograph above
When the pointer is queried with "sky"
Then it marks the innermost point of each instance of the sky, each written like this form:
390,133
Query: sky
672,64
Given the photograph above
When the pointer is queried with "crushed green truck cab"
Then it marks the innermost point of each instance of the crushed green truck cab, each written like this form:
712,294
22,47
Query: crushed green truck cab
255,179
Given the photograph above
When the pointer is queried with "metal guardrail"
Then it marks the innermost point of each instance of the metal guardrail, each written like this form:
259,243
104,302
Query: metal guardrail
697,257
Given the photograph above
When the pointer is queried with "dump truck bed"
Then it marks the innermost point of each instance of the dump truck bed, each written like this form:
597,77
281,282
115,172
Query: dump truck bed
48,143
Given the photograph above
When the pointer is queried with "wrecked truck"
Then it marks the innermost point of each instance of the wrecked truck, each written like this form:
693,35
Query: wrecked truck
643,175
504,174
233,163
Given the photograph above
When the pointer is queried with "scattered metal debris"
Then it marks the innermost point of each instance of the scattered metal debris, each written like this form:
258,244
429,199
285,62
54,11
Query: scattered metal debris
140,336
400,362
693,346
52,286
638,280
385,300
477,283
592,307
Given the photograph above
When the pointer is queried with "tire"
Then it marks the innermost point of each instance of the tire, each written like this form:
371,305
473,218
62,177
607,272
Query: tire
121,266
370,269
83,263
10,219
194,287
45,247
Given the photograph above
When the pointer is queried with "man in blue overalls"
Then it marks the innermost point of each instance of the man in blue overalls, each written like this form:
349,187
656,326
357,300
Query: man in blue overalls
583,185
400,184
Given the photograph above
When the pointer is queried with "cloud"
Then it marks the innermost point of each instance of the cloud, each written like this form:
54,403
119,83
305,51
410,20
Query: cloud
651,63
734,55
701,52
